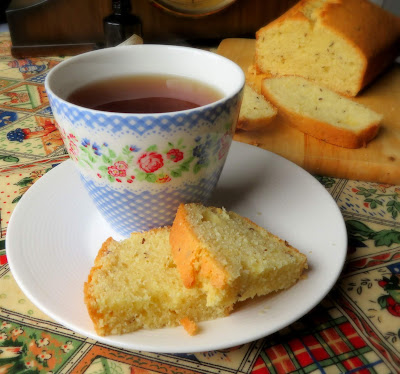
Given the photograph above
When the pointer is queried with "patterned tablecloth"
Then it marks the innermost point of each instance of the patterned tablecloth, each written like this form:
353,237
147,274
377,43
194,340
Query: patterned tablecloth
355,329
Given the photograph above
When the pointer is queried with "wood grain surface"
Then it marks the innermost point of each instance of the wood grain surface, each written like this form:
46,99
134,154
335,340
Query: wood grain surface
379,161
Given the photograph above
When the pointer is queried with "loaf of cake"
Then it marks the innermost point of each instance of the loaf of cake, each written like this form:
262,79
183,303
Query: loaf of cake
340,44
322,113
135,284
255,111
229,257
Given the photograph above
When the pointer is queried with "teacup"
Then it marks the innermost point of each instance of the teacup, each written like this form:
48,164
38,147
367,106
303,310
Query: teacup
138,168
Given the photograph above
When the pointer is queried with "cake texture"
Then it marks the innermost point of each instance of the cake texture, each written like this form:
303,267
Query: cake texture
256,112
322,113
229,257
135,284
340,44
254,77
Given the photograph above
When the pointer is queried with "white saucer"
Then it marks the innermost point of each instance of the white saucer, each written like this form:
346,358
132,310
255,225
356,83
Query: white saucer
55,232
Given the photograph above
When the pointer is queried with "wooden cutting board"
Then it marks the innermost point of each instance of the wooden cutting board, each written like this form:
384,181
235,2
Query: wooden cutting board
379,161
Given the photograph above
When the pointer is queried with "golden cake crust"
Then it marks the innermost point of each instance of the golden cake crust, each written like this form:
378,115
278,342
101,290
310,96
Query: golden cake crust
94,314
185,247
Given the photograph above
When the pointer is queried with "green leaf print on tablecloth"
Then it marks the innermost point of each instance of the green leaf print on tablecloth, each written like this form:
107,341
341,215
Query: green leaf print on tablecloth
359,232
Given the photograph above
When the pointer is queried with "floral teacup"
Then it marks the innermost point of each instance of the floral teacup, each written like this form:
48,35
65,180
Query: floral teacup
138,168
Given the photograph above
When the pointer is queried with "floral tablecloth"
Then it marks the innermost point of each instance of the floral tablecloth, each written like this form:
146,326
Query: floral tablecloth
355,329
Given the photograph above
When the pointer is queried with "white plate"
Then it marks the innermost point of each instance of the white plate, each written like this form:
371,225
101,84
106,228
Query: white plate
55,232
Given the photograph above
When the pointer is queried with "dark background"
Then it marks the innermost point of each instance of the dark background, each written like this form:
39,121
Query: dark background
3,6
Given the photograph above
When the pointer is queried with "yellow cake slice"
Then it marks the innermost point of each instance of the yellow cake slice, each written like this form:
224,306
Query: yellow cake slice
322,113
135,284
255,112
229,257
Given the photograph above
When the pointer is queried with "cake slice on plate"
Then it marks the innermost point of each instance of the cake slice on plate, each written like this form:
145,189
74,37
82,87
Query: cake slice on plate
229,257
134,284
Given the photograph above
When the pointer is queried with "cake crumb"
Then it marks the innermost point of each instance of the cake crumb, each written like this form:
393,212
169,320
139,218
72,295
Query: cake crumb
189,325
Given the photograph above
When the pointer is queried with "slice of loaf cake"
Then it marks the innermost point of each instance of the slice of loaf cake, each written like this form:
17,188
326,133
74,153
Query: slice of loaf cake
341,44
229,257
135,284
255,112
254,78
322,113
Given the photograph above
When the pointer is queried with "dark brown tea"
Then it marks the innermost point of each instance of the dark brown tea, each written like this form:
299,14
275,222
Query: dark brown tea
145,94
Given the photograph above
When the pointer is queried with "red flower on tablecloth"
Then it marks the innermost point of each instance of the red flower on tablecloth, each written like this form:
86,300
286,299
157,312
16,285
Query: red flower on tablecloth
42,342
393,307
175,155
5,325
3,260
149,162
30,364
17,332
43,356
391,302
67,346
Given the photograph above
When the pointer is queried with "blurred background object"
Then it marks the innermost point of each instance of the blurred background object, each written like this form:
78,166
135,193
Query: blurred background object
392,6
55,26
3,18
193,7
48,27
3,6
121,24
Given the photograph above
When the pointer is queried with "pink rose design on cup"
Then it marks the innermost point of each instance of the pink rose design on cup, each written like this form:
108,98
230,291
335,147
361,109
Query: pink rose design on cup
118,169
121,165
150,162
73,150
175,155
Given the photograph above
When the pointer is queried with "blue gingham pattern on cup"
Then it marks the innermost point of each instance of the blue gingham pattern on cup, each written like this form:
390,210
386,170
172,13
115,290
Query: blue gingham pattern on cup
127,211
